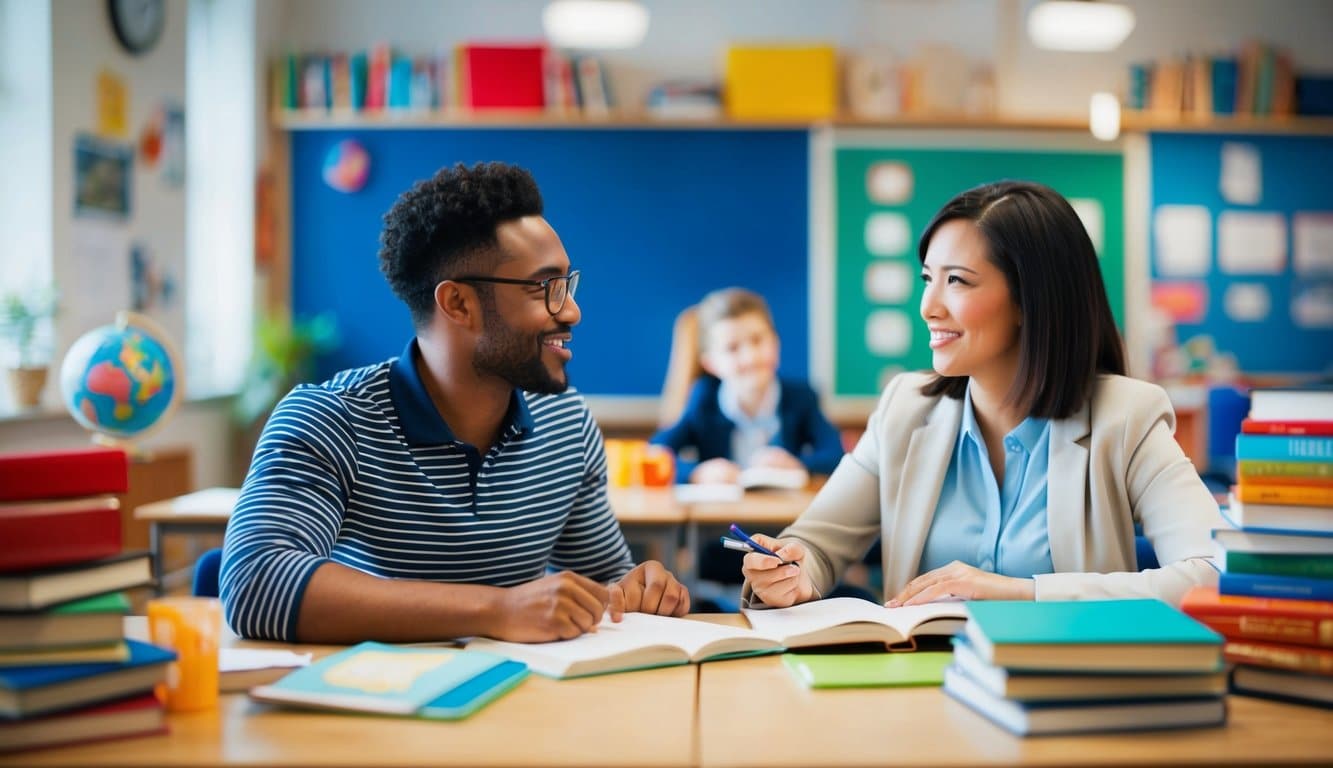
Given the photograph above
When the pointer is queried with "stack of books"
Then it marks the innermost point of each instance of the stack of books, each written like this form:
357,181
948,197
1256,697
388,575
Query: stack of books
1038,668
1274,600
66,671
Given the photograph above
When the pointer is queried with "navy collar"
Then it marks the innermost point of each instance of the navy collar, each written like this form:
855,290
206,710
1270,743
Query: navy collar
421,421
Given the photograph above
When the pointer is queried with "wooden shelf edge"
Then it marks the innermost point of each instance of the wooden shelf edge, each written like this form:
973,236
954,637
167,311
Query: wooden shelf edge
1148,122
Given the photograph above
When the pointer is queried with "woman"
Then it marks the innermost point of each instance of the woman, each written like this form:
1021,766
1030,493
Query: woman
1018,469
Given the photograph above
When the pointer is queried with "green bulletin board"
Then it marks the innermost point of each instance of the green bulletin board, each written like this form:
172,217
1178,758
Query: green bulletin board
877,325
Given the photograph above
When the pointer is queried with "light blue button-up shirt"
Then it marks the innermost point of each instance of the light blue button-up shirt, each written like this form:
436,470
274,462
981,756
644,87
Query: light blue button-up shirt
1001,530
752,434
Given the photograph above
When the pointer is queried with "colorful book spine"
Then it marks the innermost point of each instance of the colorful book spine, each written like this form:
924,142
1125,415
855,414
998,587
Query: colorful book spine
1236,617
1284,448
1315,428
1315,496
1284,472
1260,585
1295,657
1305,566
63,474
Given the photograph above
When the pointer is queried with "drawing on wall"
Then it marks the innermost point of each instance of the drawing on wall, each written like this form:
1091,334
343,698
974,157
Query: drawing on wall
173,145
102,175
112,99
152,286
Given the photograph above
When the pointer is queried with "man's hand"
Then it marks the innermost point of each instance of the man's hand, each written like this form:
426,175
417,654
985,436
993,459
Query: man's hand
649,588
716,471
776,584
557,607
960,580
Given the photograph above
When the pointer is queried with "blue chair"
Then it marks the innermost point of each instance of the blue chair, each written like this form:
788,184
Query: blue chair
206,573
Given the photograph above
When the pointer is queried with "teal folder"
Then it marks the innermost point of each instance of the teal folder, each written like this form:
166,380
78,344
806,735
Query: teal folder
867,670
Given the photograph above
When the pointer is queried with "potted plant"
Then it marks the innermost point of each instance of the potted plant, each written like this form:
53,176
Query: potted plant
25,323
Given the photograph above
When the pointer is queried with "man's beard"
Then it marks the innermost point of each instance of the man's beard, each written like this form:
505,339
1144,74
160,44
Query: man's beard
510,355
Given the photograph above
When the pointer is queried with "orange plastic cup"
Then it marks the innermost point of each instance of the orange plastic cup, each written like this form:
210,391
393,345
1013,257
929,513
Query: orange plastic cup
190,626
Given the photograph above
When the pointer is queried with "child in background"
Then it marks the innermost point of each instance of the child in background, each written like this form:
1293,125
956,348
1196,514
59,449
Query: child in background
741,414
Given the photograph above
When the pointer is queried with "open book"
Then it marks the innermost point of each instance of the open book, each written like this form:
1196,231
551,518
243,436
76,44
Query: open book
641,640
752,479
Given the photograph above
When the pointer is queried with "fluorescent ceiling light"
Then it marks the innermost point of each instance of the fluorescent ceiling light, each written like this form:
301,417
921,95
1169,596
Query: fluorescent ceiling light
1079,25
1104,116
594,24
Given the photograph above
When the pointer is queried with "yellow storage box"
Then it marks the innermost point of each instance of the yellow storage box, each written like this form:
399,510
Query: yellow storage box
782,82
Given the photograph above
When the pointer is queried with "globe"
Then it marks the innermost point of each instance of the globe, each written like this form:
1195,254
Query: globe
119,380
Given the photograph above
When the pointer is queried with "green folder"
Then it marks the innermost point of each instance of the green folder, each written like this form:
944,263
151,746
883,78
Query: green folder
868,670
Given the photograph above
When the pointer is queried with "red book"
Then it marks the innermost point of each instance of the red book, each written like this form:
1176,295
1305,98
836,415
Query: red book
63,474
1240,617
1297,658
1256,427
137,716
41,534
502,76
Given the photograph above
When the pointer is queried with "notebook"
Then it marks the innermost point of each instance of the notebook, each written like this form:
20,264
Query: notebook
1048,718
640,641
406,681
1087,635
867,670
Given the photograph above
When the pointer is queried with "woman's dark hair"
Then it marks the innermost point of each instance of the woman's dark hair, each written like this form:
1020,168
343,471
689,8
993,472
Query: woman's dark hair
438,227
1068,335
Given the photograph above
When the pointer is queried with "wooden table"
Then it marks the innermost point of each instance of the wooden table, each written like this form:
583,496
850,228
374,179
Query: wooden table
205,511
651,513
643,718
752,713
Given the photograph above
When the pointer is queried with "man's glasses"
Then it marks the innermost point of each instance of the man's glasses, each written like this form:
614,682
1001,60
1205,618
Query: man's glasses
558,288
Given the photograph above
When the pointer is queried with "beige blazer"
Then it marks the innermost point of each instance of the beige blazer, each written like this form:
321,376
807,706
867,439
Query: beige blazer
1113,464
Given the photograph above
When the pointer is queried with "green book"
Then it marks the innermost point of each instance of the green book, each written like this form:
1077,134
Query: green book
867,670
408,681
1085,635
1307,566
93,621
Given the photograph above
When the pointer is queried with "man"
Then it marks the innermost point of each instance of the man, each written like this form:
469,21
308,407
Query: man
424,497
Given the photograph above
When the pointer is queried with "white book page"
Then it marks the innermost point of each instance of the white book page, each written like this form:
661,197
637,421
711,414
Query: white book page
820,614
774,477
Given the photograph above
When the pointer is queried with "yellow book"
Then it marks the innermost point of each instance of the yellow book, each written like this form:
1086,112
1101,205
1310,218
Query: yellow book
774,82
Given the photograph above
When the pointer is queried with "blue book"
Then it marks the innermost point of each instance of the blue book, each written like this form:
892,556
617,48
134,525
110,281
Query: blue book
27,691
1224,85
1091,635
407,681
1048,718
1262,585
1284,447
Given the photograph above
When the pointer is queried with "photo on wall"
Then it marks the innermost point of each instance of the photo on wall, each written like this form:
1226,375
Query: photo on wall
102,175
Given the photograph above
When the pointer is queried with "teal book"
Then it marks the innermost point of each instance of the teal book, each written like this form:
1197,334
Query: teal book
406,681
1087,635
867,670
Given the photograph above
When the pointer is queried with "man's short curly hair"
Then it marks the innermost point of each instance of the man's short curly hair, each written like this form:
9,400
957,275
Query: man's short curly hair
444,226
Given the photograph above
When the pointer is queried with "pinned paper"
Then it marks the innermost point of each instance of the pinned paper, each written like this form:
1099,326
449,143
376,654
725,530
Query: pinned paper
347,166
112,101
889,282
1183,235
1312,306
1248,302
888,234
1312,243
1242,174
102,178
889,183
1090,213
1251,243
1183,302
888,333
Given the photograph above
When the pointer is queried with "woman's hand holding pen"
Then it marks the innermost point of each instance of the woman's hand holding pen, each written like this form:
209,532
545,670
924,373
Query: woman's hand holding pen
778,582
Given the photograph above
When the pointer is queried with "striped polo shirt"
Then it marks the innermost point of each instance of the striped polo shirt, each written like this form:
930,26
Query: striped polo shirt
362,470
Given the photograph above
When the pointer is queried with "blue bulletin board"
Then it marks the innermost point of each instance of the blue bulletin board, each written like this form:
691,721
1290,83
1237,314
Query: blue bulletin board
1241,246
654,218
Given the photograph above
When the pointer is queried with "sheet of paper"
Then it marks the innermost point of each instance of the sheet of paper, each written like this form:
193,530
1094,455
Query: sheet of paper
1183,235
1312,243
888,234
889,333
1251,243
244,659
1242,174
1248,302
890,282
101,274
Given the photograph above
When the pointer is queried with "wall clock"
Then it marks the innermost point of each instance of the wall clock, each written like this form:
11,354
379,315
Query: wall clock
137,23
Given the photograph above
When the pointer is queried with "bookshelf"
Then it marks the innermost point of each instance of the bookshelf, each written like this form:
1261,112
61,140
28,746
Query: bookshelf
1131,122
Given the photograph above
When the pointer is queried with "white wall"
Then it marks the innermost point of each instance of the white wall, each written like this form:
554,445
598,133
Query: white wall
25,144
686,38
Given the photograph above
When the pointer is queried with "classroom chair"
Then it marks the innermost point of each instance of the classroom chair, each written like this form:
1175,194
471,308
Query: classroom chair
206,573
682,367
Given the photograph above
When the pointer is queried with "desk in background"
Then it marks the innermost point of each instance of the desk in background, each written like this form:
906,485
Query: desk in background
205,511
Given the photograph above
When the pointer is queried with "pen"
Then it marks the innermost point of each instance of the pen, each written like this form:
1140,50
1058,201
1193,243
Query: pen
747,544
